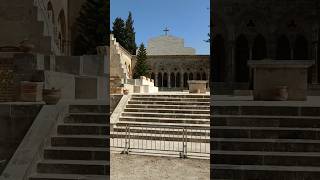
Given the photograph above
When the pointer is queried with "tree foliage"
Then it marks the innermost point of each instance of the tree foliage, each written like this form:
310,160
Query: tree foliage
141,68
92,27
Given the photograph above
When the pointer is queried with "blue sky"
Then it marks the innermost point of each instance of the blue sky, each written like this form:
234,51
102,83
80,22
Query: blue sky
188,19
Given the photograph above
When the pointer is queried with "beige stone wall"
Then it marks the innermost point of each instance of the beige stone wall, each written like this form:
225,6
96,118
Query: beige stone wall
168,45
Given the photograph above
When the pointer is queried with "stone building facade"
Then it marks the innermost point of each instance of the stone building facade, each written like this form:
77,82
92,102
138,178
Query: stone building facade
48,24
168,45
172,72
259,29
172,64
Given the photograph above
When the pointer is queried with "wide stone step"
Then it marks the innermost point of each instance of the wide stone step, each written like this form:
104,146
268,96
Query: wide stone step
162,125
47,176
266,158
266,110
152,106
161,131
189,120
266,132
176,111
89,108
170,99
165,115
175,95
169,103
73,167
76,153
163,137
80,141
245,172
82,128
281,145
266,121
96,118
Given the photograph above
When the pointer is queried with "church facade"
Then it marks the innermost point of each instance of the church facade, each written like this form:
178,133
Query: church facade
258,29
172,64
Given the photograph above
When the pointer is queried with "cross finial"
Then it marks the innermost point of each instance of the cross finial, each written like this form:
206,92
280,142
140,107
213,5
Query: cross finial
166,30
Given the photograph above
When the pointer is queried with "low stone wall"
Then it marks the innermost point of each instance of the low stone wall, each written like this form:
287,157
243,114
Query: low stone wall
15,121
114,100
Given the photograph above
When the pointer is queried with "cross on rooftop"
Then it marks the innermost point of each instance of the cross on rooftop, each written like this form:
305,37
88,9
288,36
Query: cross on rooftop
166,30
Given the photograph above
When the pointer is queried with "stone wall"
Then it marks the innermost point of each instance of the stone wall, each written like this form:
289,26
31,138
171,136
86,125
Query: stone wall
15,120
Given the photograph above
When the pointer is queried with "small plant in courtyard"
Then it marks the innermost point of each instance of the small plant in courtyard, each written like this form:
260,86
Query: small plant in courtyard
141,68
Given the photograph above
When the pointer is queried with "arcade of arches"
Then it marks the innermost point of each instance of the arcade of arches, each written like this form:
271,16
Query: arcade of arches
243,32
172,72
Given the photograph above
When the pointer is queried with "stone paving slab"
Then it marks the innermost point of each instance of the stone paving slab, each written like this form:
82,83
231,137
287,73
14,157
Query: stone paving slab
138,167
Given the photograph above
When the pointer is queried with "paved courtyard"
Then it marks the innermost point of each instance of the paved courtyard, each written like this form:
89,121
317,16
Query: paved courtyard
138,167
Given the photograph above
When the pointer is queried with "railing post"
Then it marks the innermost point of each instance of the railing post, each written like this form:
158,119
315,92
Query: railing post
126,148
183,154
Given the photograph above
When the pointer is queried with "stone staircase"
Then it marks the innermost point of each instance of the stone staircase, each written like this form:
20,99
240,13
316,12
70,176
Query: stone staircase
79,149
161,110
265,143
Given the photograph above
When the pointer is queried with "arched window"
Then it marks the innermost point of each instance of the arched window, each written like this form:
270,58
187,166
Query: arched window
259,50
165,80
190,76
241,58
160,84
300,48
219,59
178,81
152,76
63,30
283,48
50,10
204,76
185,80
198,76
172,80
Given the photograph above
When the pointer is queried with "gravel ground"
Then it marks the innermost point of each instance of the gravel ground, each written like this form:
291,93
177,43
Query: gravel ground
138,167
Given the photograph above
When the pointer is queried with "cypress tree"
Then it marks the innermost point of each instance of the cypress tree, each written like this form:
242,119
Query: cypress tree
141,68
130,45
92,27
118,31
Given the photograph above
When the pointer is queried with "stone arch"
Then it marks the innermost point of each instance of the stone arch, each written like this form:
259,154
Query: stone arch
241,59
165,80
178,80
218,62
300,49
62,31
259,48
172,80
283,51
185,80
160,84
